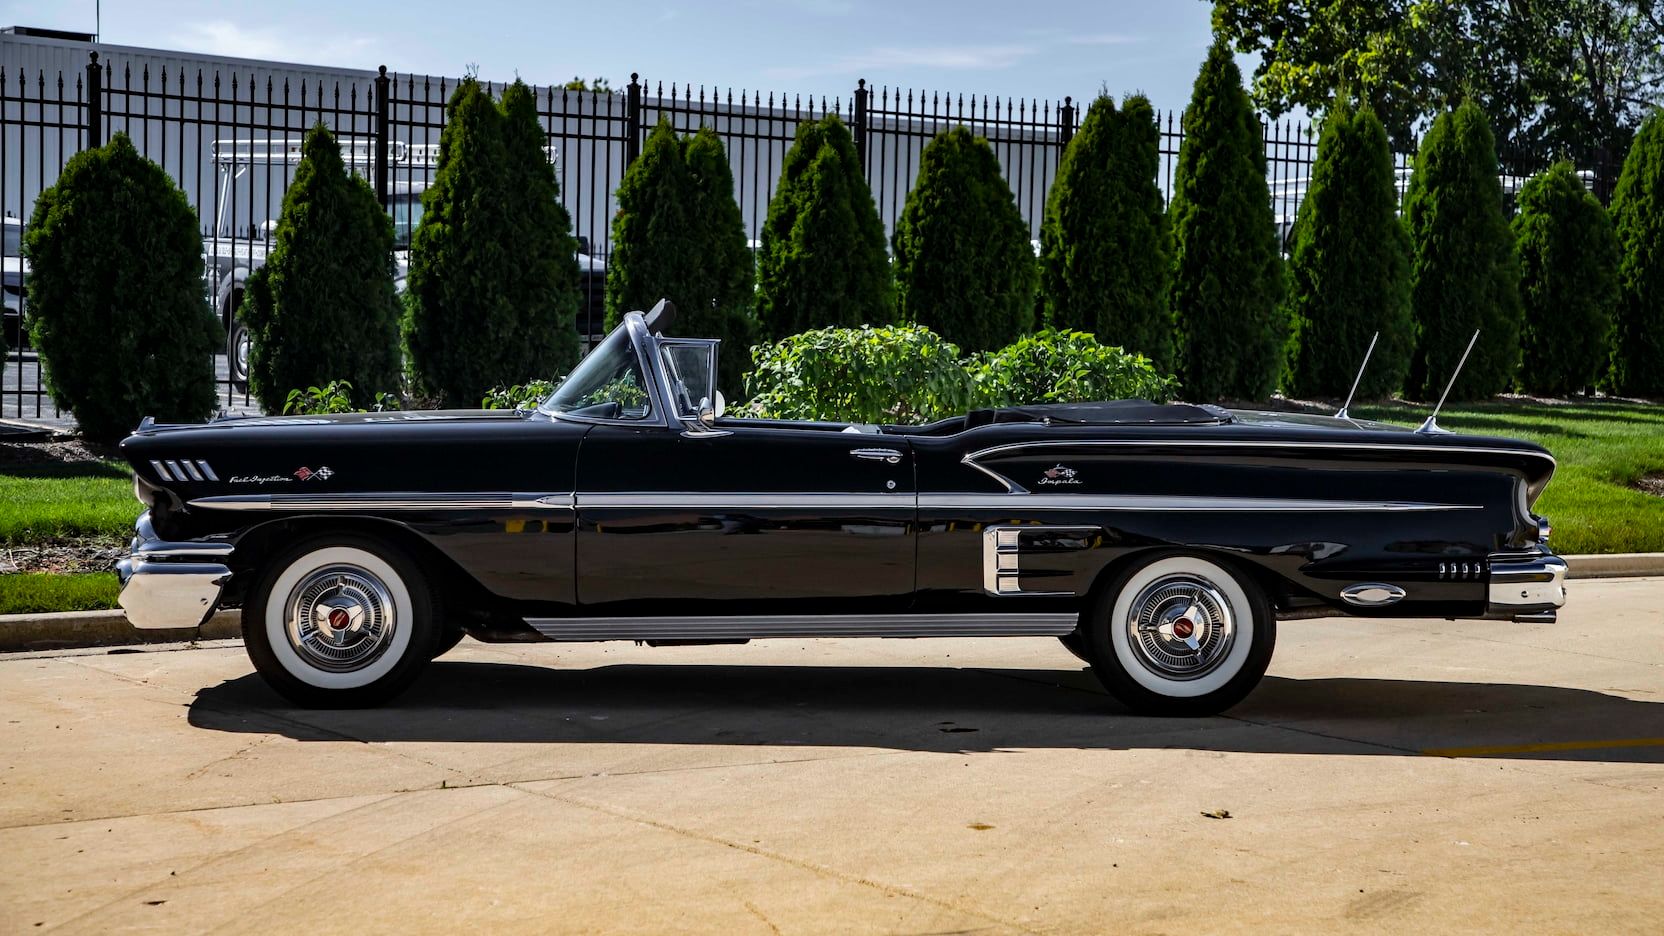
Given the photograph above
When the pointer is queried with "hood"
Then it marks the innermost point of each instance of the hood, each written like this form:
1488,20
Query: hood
390,418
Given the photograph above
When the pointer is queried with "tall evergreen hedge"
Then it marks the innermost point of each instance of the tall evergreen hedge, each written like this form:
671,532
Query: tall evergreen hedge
964,265
678,235
493,276
1227,274
1104,252
117,308
1464,274
1349,268
323,306
822,261
1568,282
1638,217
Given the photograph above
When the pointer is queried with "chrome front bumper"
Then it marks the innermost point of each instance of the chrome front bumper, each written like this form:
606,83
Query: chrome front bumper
170,585
1527,588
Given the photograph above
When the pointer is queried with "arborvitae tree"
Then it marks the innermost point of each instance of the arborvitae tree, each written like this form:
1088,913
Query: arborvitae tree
1104,252
115,294
1227,275
725,285
822,261
654,255
1464,274
1350,265
543,285
323,307
964,265
1638,217
1568,282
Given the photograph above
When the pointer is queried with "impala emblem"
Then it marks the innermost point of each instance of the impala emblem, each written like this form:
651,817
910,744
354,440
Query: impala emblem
1059,475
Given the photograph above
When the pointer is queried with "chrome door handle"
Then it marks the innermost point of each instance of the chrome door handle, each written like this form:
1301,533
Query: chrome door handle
876,454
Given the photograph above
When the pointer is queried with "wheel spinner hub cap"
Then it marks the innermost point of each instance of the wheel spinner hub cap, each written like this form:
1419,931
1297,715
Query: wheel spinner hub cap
340,618
1181,627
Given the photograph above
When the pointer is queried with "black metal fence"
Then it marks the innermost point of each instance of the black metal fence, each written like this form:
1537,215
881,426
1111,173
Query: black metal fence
231,139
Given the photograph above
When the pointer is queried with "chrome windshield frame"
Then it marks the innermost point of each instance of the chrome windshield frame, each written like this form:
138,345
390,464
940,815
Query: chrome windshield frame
644,348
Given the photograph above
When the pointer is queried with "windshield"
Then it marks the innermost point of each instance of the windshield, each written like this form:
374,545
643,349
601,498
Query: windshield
606,384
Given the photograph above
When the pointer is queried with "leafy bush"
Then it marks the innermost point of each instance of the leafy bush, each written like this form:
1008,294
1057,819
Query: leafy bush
1568,282
1638,217
1349,267
1227,276
115,293
822,260
1464,273
529,394
1065,367
324,303
493,276
334,397
1104,242
964,266
893,374
678,234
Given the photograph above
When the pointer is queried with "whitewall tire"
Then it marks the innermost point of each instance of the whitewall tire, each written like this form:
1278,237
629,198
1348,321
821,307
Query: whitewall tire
1180,634
340,622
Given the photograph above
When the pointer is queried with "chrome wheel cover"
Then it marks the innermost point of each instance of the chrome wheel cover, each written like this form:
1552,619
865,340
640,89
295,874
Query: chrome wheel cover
340,618
1181,627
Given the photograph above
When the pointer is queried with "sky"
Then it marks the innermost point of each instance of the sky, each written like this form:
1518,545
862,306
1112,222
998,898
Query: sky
1008,48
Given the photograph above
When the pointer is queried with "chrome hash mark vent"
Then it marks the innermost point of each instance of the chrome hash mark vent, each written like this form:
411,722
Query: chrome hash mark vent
1461,571
184,470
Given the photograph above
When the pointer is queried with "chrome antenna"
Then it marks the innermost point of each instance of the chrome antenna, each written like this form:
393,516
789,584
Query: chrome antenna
1358,379
1431,426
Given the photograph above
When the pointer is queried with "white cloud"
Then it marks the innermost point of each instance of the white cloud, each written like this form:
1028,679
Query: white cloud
223,37
1104,39
947,58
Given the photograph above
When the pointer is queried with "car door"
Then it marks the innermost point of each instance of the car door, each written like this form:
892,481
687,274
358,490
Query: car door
744,519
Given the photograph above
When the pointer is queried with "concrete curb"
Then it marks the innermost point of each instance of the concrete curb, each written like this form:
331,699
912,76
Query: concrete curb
107,628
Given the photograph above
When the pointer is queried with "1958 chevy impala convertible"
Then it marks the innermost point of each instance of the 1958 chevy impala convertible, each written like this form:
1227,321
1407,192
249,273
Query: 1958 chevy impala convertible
1161,543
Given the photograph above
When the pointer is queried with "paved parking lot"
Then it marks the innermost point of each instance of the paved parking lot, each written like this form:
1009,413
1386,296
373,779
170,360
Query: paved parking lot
1388,776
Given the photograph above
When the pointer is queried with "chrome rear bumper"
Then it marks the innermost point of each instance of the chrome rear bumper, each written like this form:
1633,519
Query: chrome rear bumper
1527,588
170,585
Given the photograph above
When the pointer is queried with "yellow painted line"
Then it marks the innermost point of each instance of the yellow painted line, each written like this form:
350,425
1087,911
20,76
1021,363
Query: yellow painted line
1543,748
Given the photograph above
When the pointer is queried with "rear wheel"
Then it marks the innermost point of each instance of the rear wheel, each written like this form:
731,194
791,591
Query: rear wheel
1180,635
340,622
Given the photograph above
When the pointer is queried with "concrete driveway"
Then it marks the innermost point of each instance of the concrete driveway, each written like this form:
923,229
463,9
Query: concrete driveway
841,786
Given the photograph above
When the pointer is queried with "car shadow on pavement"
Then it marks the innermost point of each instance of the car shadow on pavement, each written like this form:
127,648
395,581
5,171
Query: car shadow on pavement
946,709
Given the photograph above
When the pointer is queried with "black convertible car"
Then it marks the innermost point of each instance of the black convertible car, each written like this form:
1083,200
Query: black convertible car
1161,543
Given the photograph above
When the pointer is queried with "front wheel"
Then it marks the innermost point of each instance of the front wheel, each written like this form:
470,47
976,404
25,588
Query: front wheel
340,622
1180,635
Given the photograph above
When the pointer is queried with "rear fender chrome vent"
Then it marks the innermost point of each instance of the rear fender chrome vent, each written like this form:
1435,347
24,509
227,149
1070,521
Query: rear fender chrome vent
183,469
1472,571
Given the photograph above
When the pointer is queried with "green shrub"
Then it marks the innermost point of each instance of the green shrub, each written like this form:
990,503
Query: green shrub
324,303
525,395
1104,242
337,396
115,294
1638,217
1064,367
678,235
1568,282
1464,274
1227,276
1349,267
822,260
964,266
493,276
892,374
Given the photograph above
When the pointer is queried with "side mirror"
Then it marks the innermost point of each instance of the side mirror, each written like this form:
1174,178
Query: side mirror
707,412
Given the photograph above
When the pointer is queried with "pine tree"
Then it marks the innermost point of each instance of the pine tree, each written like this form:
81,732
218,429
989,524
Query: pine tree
1568,282
117,308
964,266
1638,217
822,261
1104,252
543,285
725,284
1227,275
1464,274
653,252
1350,265
323,307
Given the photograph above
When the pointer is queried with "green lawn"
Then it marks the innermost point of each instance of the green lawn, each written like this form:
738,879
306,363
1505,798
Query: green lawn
46,503
1602,447
33,592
